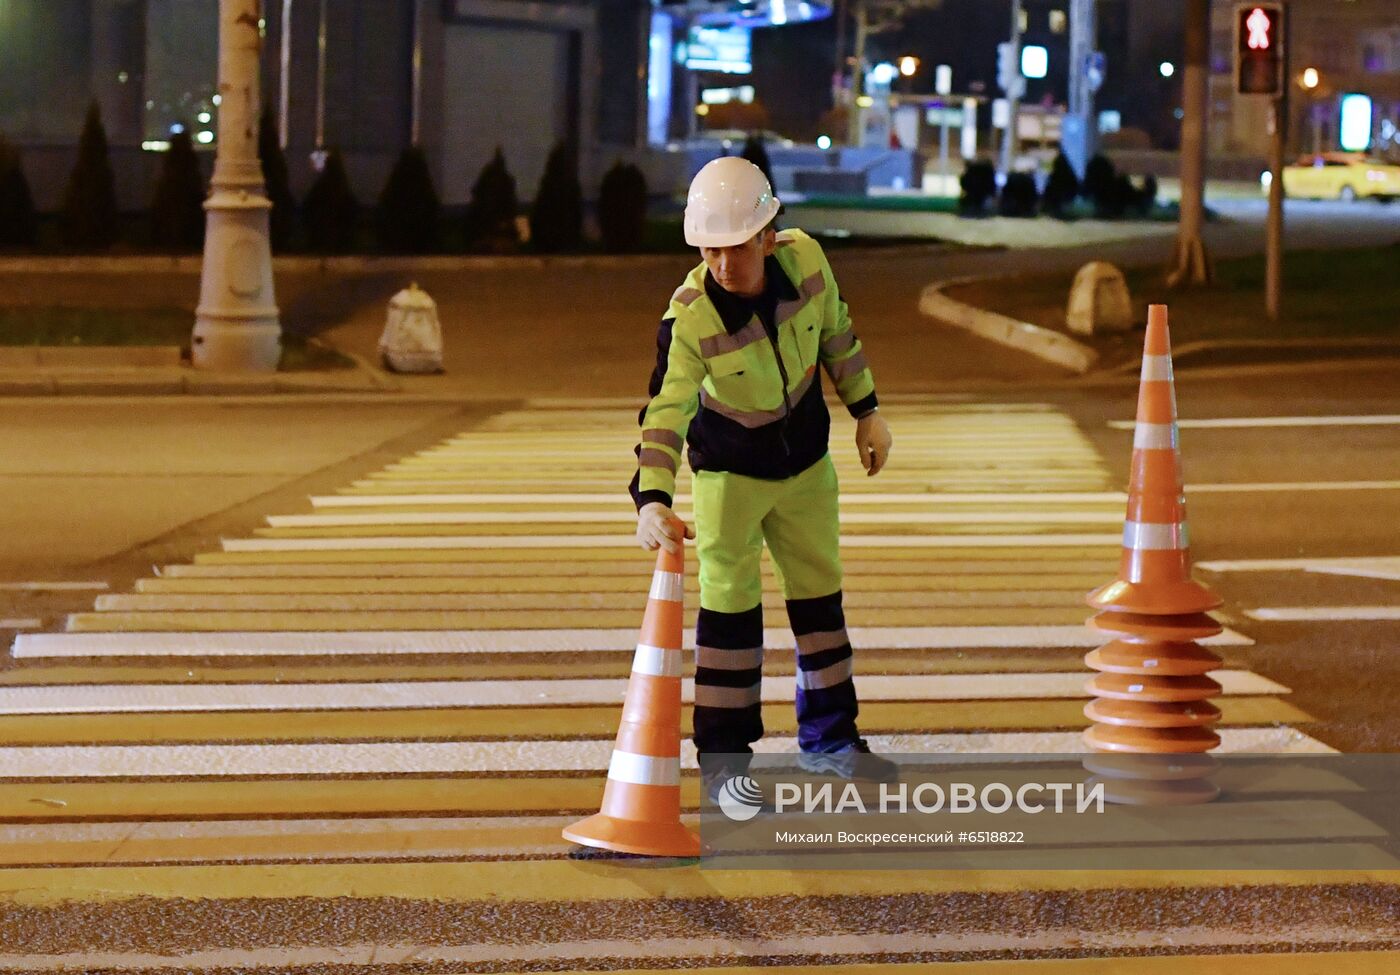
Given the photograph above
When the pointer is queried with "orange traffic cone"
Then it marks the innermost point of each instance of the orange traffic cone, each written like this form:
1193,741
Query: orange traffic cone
641,810
1155,573
1151,709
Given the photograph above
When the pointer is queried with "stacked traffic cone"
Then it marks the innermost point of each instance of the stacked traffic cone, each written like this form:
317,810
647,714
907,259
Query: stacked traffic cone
1152,718
641,810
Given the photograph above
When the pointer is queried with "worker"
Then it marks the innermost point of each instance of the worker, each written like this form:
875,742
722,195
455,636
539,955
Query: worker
736,378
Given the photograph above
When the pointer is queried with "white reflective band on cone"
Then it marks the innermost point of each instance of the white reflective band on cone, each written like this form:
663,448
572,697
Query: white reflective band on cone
656,661
1148,536
1156,368
1155,436
644,769
669,586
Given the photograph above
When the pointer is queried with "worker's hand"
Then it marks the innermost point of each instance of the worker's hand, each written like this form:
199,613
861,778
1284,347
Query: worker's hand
873,442
656,525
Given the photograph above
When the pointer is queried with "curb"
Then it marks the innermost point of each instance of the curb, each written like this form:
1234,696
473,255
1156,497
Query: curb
1060,350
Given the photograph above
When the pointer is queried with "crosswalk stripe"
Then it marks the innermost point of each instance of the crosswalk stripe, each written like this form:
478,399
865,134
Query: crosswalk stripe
198,644
410,543
1247,422
514,881
400,757
128,698
1304,614
856,582
1035,564
626,516
504,619
548,601
1034,498
1275,820
574,722
40,672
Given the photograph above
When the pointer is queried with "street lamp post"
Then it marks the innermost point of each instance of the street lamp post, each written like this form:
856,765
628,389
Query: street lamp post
236,326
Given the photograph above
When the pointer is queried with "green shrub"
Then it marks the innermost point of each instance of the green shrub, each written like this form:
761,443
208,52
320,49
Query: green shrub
19,225
282,218
88,216
331,210
1018,196
622,208
1061,188
556,216
490,220
979,184
1102,187
406,218
177,212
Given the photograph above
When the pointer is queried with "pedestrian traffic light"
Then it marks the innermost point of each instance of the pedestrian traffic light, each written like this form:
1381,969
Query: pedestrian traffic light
1009,70
1259,49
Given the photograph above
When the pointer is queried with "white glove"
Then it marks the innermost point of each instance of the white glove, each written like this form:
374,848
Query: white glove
656,526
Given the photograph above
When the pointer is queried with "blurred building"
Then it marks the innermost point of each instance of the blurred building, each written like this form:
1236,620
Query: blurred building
1353,46
368,77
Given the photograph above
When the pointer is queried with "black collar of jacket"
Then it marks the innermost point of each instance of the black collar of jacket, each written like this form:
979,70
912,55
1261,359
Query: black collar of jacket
737,311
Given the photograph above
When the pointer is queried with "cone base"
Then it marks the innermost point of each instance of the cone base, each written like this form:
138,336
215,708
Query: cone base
1111,738
1154,598
634,836
1157,768
1173,629
1181,659
1172,792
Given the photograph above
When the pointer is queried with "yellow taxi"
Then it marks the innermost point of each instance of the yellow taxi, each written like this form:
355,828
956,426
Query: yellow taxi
1341,176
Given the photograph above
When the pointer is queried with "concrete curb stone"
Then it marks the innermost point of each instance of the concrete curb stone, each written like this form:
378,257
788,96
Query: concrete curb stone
1060,350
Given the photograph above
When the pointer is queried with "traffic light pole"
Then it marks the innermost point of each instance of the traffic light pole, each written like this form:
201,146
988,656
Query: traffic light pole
1013,96
1190,265
1273,226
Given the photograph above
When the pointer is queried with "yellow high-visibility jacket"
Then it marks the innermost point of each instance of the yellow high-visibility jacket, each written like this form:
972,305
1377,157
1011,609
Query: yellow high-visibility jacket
747,399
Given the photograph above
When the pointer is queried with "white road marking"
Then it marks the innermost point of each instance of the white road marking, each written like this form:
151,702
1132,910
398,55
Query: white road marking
1303,614
407,757
530,641
629,516
51,586
411,695
20,624
1380,567
1246,422
1275,486
627,541
619,500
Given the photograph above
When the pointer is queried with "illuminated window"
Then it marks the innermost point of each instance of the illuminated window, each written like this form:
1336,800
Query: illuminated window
1059,22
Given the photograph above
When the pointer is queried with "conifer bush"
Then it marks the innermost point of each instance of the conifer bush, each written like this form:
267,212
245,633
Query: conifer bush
1018,196
88,215
331,210
281,221
556,216
177,212
979,184
1061,188
490,220
407,215
622,208
19,225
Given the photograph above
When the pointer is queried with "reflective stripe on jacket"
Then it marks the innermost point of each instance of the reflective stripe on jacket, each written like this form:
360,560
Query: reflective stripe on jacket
742,408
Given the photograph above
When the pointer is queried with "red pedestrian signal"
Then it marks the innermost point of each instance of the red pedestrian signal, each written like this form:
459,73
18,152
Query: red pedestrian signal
1259,49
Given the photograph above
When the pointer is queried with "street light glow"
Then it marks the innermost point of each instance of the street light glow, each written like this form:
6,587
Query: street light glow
1167,69
908,65
823,142
205,137
1311,78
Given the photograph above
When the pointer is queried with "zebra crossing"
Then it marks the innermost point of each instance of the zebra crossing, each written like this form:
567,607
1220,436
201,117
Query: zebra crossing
400,696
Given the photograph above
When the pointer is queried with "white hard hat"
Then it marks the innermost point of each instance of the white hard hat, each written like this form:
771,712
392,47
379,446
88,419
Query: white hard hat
730,200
